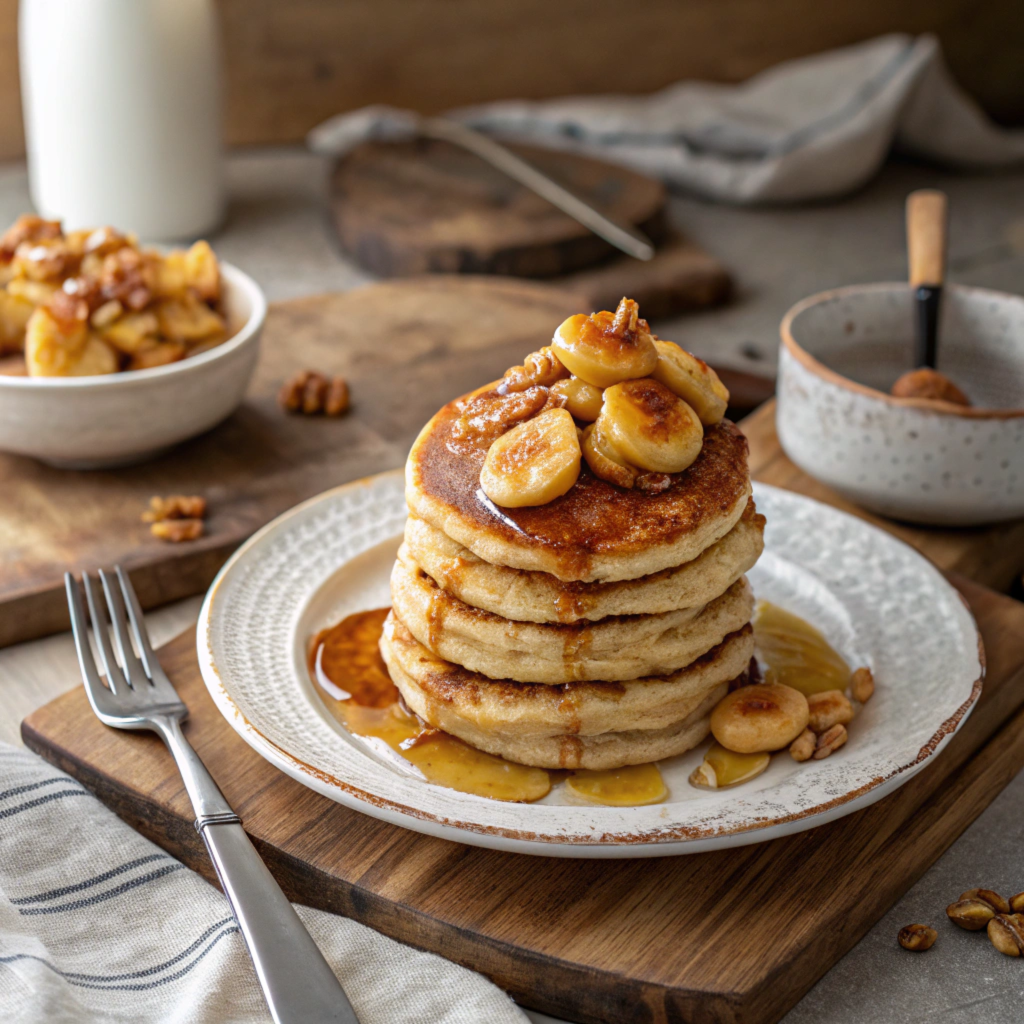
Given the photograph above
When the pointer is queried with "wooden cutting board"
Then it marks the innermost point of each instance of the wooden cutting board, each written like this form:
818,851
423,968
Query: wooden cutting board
736,935
406,348
427,207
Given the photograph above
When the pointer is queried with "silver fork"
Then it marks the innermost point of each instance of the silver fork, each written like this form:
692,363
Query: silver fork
297,982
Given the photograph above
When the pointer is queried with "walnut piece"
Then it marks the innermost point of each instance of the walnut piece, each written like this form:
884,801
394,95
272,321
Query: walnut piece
176,506
862,685
803,747
540,367
917,937
177,530
829,742
309,392
827,709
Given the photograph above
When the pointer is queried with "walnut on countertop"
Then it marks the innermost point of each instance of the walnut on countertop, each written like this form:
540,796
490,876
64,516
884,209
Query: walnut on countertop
176,518
175,506
309,393
177,530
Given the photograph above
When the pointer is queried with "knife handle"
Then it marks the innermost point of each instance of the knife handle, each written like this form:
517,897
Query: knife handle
927,214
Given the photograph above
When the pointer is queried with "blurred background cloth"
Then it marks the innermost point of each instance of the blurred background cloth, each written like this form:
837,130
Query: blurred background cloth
811,128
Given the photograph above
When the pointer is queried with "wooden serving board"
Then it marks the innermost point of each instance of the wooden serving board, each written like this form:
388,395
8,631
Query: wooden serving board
735,936
424,206
406,347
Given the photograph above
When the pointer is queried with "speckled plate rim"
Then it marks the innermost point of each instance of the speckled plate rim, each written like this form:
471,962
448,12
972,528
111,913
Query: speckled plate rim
442,813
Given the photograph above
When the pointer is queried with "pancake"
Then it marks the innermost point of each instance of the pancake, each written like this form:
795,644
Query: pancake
620,647
594,532
604,750
586,708
540,597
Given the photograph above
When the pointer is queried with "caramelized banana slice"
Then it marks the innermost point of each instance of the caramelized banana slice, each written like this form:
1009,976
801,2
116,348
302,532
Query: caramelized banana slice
650,427
606,348
97,358
533,463
604,461
692,380
583,400
763,717
54,343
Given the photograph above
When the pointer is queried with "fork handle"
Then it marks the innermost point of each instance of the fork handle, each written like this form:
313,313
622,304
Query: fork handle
297,982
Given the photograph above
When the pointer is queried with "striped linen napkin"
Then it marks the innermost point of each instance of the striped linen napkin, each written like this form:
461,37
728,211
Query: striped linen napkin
97,924
812,128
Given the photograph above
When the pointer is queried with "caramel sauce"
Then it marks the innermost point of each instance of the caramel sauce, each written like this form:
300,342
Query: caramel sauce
620,787
795,653
569,607
346,665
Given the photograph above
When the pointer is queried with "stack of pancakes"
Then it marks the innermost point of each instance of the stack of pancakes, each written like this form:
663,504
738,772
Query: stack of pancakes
596,631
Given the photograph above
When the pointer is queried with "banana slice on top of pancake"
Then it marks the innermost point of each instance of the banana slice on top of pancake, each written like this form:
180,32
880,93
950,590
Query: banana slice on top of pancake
633,406
533,463
606,348
650,427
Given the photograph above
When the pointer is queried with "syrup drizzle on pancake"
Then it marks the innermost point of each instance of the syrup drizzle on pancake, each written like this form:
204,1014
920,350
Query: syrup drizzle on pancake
346,665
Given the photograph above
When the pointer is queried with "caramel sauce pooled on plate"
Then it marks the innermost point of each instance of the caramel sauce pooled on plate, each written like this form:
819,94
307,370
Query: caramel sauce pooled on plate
620,787
346,664
795,653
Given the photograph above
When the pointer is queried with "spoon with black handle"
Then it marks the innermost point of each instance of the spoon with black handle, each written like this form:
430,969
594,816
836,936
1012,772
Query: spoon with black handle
927,213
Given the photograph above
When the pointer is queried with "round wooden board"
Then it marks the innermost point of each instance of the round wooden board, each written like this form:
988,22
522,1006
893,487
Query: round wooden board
429,207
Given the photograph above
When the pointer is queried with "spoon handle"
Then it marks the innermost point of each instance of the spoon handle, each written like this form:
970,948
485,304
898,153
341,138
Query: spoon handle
926,254
926,237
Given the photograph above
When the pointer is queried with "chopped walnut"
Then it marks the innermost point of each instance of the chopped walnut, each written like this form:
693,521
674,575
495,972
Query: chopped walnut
309,392
803,747
336,402
653,483
541,367
829,742
177,530
177,506
862,685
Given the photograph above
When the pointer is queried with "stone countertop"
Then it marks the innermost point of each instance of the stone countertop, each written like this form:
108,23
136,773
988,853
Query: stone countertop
278,230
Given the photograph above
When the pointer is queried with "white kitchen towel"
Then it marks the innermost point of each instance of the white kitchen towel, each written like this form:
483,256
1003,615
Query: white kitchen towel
99,925
811,128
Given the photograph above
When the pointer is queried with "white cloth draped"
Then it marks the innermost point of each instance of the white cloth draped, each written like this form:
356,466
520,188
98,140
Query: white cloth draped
811,128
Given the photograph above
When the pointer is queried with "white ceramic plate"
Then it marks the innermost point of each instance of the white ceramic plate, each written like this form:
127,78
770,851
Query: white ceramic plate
877,601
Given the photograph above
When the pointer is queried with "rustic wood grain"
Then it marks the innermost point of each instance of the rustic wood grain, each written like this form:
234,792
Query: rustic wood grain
405,347
991,555
736,935
289,66
425,207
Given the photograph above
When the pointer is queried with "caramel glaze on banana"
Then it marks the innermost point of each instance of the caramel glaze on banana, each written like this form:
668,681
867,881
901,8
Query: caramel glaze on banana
606,391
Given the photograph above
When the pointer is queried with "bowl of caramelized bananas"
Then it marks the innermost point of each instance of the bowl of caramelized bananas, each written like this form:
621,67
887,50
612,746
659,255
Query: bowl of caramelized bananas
110,353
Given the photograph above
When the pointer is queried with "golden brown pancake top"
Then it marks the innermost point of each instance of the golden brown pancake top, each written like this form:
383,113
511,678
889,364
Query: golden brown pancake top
594,516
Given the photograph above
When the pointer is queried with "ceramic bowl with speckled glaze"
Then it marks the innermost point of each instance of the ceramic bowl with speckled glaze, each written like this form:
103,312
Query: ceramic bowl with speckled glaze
912,459
118,419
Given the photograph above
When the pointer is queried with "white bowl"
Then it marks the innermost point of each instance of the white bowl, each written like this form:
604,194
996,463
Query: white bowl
922,461
122,418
